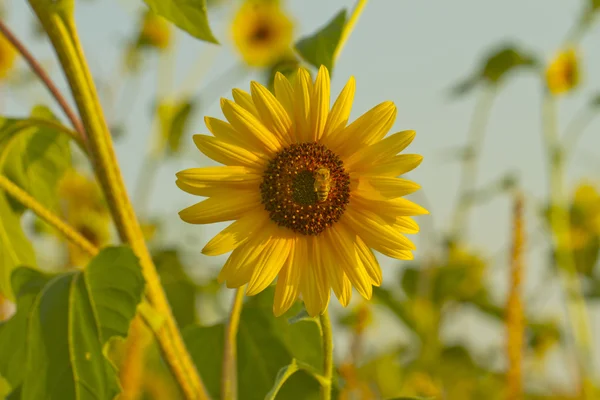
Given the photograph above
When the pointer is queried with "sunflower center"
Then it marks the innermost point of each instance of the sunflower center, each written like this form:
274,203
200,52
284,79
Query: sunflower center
261,34
305,188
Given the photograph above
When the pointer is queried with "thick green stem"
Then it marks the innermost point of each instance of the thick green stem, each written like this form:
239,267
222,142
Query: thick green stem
468,178
58,21
560,225
229,377
327,340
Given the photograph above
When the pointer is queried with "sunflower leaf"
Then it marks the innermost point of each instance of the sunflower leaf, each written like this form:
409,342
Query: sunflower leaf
63,324
191,16
174,118
286,373
15,247
319,48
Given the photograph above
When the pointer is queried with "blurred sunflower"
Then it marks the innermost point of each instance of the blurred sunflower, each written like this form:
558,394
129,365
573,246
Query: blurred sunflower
310,196
563,74
84,209
7,56
262,32
154,32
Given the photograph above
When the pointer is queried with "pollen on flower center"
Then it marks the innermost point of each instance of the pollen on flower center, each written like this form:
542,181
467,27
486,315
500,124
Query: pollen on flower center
297,197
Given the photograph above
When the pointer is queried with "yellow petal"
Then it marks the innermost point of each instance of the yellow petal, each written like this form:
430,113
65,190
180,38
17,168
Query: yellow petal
224,131
381,150
245,100
284,93
395,166
339,281
369,128
221,208
314,284
233,177
320,103
270,261
302,94
239,267
337,119
227,153
236,233
272,113
288,281
247,124
390,187
369,261
343,239
389,208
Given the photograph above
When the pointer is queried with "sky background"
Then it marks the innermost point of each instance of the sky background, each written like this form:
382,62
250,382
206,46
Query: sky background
410,52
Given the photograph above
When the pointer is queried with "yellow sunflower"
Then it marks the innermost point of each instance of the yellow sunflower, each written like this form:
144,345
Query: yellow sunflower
262,32
563,74
7,56
155,32
309,194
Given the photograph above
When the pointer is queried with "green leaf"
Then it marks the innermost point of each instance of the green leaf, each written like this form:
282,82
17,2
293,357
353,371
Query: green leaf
15,248
265,345
33,156
70,322
174,118
191,16
179,288
286,373
319,48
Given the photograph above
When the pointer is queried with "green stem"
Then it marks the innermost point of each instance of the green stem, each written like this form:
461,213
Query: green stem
58,21
468,178
327,338
349,27
560,225
229,378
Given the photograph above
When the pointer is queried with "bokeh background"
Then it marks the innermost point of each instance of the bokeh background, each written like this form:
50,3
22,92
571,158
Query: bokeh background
415,54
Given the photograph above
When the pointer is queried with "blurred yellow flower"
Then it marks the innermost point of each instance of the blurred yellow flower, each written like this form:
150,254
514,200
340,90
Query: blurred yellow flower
7,56
563,73
310,196
84,209
155,32
262,32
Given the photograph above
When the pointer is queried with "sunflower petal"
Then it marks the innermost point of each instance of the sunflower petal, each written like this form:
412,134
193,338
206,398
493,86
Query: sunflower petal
221,208
340,112
239,267
227,153
369,261
314,284
272,113
288,283
236,233
339,281
224,131
247,124
391,188
320,103
395,166
381,150
245,101
302,95
270,262
284,93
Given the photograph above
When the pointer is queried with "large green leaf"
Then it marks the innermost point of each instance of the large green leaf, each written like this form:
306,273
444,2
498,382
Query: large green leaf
34,156
15,247
189,15
319,48
266,344
180,289
72,319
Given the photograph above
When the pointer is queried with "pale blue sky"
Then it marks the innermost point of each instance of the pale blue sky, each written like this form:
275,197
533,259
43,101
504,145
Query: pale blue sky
410,52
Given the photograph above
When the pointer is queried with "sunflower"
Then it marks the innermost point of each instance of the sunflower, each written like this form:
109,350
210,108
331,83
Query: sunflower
262,32
155,32
7,56
310,196
563,74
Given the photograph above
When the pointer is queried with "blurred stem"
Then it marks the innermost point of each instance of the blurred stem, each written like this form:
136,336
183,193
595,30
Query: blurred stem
58,21
468,177
229,379
358,9
45,78
47,216
576,128
560,225
327,338
131,371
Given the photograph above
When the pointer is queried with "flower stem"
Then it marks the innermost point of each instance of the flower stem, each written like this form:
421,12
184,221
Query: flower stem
358,9
560,225
48,216
468,177
39,71
58,21
327,340
229,377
